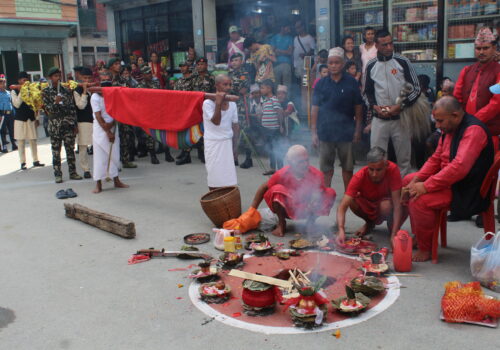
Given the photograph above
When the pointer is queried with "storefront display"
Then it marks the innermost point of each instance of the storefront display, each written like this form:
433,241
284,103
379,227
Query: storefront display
414,24
165,28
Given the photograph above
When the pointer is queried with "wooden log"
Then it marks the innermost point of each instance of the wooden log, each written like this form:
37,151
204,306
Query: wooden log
106,222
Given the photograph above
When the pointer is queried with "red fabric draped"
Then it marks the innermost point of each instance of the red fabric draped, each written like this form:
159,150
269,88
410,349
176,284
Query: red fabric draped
154,109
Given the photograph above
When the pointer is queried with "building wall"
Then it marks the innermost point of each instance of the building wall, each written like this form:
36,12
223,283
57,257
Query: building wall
40,10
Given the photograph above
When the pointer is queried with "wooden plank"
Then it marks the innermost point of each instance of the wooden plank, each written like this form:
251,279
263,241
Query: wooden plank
106,222
260,278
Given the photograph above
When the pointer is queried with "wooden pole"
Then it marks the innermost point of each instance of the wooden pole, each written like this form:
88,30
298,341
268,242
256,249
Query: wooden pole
208,96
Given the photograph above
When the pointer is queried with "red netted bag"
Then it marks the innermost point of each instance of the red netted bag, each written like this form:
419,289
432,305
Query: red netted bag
467,302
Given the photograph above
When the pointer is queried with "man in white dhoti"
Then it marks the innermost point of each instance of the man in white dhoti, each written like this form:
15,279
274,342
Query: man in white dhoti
106,141
220,120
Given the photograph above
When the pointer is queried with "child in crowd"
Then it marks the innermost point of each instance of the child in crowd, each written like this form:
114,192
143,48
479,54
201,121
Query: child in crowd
289,110
352,70
323,72
320,61
272,125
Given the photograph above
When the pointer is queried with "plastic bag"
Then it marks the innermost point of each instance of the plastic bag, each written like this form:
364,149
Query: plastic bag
485,262
247,221
220,234
268,221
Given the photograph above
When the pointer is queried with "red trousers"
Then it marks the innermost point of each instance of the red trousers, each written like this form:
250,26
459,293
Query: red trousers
424,213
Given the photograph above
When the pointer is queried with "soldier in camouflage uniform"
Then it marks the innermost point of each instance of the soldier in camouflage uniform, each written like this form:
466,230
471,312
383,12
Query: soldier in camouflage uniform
200,80
148,83
60,106
126,131
241,85
182,84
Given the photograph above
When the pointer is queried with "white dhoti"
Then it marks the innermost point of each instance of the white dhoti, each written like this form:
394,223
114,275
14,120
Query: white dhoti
25,130
84,136
102,150
219,162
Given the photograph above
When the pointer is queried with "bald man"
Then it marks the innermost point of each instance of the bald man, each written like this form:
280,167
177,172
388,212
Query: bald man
220,120
296,191
452,176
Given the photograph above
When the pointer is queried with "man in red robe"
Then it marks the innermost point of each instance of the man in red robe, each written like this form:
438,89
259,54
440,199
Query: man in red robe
296,191
373,194
452,176
472,87
472,90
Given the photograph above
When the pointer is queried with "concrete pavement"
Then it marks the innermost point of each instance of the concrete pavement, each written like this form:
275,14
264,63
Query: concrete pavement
68,285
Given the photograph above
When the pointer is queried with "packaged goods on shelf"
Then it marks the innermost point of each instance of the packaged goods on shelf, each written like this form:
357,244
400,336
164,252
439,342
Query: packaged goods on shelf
414,14
431,13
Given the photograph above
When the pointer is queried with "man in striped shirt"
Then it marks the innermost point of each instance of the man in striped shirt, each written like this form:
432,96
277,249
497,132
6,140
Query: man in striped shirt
272,123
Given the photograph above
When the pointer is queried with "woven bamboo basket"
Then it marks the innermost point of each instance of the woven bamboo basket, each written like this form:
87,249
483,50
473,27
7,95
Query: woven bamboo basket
222,204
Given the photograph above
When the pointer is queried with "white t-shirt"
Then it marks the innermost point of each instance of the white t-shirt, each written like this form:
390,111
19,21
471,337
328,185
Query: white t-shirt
367,54
308,43
224,130
97,103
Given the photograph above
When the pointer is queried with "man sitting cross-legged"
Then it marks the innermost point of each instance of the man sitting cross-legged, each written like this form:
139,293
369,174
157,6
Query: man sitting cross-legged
296,191
373,194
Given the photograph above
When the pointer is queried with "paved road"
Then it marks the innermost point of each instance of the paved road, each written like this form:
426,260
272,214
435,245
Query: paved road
66,285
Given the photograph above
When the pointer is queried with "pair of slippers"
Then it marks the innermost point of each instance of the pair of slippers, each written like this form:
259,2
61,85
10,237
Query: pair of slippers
63,194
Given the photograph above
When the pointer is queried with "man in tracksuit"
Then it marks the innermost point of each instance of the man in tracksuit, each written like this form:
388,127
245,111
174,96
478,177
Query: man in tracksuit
384,79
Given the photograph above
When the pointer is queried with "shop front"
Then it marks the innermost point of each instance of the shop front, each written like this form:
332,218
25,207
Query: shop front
33,49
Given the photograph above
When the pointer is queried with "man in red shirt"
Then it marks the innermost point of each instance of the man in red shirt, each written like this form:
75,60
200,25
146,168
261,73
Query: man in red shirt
452,176
296,191
373,194
472,87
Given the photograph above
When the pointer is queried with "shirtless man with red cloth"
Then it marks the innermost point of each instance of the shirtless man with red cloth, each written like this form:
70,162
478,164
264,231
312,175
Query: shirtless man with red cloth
296,191
373,194
452,176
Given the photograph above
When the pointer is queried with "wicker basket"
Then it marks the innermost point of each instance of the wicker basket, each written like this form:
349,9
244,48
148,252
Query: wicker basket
222,204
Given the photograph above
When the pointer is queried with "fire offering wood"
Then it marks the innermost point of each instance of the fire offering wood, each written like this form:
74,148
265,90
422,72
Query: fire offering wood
106,222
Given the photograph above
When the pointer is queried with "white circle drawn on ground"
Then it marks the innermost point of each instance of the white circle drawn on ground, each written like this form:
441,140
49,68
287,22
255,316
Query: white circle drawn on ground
389,299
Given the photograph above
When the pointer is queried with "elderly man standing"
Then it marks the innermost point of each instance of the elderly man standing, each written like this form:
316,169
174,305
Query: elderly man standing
384,79
220,120
60,106
452,177
374,194
296,191
337,112
106,140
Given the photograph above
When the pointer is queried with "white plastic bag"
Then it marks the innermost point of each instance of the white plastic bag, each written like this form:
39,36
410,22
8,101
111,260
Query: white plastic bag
485,261
268,221
220,234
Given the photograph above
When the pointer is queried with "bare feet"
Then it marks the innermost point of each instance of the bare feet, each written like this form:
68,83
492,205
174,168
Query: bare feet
363,230
119,184
278,231
421,256
98,187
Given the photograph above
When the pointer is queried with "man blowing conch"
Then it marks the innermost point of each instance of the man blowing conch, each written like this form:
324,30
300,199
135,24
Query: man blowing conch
452,176
297,191
373,194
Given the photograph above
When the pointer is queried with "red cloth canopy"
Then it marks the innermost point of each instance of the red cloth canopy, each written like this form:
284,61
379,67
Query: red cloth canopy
154,109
